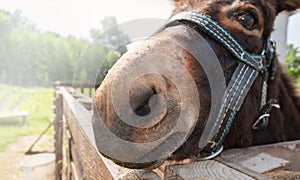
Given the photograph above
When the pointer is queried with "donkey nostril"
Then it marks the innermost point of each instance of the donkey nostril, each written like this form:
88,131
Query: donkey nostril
153,101
139,97
148,103
144,108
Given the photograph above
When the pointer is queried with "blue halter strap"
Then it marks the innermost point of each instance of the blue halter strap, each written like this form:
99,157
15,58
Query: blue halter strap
247,71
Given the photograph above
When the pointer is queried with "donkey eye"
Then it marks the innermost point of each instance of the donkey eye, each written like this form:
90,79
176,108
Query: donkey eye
248,20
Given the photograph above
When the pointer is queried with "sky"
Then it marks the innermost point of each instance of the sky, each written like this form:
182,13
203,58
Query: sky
78,17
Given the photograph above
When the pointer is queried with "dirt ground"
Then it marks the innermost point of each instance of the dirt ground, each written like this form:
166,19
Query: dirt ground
14,153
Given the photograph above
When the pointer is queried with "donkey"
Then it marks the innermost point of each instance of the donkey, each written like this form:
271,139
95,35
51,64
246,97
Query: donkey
267,109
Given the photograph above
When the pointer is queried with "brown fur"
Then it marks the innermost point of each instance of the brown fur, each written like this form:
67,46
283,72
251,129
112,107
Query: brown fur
284,123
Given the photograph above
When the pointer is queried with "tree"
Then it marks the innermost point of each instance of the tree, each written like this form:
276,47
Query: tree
109,35
113,40
32,58
293,62
110,60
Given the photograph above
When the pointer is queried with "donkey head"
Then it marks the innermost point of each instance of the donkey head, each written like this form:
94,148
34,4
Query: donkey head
161,86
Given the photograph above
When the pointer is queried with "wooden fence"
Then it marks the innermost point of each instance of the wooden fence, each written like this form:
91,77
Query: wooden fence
77,156
91,87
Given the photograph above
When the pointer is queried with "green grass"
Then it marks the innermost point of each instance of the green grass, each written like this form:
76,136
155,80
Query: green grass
3,94
37,101
13,101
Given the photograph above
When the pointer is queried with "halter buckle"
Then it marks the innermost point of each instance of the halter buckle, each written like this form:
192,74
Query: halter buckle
260,61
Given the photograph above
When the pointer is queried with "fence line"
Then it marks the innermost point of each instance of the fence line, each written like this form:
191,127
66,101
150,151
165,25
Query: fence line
78,158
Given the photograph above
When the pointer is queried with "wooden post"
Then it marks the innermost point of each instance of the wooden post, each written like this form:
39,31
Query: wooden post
82,89
58,136
90,93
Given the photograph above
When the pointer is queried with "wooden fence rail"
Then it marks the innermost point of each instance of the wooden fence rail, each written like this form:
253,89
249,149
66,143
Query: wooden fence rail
77,156
76,153
76,85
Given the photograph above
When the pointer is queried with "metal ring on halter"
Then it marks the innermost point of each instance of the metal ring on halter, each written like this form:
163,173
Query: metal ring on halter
277,106
254,126
211,156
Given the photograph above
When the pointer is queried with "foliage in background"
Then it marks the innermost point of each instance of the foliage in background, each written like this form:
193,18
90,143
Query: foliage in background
293,62
106,66
32,58
37,101
113,38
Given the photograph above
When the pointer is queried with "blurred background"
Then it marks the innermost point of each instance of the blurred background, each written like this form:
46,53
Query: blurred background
42,42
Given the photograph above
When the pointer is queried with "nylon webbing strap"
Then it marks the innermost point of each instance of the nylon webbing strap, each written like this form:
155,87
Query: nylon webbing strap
243,78
218,33
236,92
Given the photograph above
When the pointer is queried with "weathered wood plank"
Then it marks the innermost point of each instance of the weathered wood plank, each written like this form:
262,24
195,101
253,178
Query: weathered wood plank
77,120
75,159
140,174
284,175
288,151
58,136
241,168
86,102
81,98
74,171
250,162
76,84
65,151
68,146
204,170
263,162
